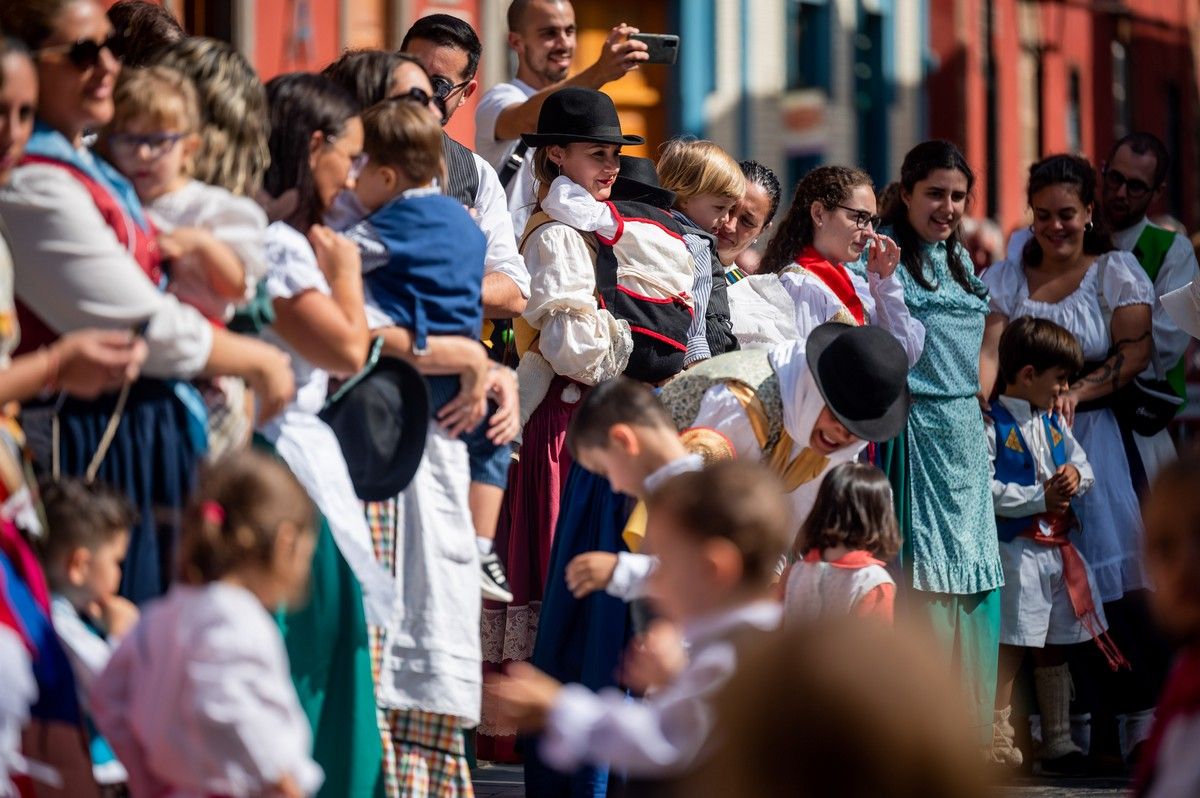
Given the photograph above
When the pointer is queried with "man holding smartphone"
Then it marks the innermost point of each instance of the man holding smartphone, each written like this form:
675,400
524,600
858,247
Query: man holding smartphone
542,33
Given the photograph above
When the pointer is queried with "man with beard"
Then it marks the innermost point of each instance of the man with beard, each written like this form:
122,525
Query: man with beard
542,33
1133,178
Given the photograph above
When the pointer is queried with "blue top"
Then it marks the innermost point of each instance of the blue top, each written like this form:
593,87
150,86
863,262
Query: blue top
1014,463
422,259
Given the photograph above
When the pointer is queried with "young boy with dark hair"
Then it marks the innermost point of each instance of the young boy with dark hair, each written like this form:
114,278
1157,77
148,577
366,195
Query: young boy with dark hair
622,433
718,534
87,536
1048,600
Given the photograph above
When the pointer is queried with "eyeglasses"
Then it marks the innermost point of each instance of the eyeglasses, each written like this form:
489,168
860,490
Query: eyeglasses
862,218
357,162
443,88
1134,188
156,144
85,53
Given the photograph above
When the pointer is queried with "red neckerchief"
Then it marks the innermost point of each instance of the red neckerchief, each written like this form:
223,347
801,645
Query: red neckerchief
1180,698
853,559
836,279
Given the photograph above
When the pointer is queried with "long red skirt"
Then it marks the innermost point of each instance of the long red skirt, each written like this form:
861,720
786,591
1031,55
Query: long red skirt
524,536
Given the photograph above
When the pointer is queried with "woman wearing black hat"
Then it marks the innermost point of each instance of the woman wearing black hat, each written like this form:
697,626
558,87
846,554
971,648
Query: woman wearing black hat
575,333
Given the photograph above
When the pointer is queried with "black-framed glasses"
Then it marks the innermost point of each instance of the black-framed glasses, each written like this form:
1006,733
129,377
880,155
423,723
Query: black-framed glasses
421,97
443,88
85,53
156,144
862,218
1134,188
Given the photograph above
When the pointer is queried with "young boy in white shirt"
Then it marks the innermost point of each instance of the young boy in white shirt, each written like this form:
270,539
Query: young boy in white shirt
1048,600
718,534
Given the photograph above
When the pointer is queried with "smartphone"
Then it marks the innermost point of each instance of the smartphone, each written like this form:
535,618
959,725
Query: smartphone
663,47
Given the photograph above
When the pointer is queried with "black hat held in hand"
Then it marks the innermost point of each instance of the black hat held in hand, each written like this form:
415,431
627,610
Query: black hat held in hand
578,114
638,182
380,417
862,372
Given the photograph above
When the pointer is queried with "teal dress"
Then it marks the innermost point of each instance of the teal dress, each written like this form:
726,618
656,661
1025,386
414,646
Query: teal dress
940,474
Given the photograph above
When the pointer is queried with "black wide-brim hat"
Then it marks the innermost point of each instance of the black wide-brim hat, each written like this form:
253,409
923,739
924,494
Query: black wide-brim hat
380,418
862,373
638,182
578,114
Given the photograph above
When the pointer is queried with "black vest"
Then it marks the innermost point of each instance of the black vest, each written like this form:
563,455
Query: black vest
462,178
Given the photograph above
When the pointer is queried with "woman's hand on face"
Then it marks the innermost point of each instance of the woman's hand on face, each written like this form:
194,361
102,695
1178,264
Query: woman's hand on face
884,257
337,255
92,362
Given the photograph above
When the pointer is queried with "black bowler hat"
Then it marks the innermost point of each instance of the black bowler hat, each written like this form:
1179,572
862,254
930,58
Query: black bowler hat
862,372
578,114
380,417
638,182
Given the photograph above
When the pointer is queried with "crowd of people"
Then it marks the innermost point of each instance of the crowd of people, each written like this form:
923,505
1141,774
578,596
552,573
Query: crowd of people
336,454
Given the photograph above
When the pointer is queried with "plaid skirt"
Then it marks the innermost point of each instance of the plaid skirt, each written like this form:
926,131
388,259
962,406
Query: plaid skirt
423,752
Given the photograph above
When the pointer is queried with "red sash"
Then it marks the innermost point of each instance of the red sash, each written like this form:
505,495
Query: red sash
142,246
1054,529
836,279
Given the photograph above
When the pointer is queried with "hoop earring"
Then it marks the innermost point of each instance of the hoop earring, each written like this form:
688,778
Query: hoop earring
1031,229
1088,227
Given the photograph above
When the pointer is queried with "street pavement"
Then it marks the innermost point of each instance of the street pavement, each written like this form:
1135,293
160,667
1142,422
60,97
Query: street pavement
504,781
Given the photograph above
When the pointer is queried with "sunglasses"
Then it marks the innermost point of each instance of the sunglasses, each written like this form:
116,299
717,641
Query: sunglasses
1134,188
156,144
421,97
85,53
443,88
862,218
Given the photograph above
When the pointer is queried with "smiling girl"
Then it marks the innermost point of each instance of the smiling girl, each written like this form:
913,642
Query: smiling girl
939,466
831,222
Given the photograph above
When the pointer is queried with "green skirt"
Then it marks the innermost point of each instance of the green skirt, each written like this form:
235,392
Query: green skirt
328,651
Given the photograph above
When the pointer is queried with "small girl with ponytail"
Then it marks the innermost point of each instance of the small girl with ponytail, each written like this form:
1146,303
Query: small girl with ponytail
198,699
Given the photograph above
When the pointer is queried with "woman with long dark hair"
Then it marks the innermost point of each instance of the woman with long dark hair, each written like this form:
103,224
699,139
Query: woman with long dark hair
939,466
1071,273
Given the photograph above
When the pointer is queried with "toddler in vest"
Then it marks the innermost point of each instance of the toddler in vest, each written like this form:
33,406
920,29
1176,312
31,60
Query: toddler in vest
198,699
717,533
422,259
87,536
1048,600
1170,762
211,240
842,547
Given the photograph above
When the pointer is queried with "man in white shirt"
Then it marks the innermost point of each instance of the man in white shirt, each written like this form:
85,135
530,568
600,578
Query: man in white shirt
542,34
1134,176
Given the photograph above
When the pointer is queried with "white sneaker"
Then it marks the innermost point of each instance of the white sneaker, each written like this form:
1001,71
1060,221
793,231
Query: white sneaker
493,580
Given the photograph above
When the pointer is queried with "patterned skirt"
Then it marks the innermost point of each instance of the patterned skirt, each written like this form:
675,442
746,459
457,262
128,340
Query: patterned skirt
423,752
524,536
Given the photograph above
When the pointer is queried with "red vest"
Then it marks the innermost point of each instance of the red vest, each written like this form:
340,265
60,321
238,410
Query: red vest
142,246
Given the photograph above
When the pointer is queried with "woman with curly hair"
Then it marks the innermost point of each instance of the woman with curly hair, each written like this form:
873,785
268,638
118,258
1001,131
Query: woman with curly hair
832,222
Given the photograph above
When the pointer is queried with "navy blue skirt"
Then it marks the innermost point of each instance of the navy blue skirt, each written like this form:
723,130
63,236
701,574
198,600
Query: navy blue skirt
152,461
580,641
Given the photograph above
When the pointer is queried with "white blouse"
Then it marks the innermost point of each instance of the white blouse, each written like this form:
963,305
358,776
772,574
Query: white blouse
579,339
237,222
882,300
1114,280
198,699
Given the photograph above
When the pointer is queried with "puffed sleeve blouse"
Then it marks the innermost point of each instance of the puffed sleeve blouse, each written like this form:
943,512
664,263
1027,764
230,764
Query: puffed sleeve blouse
1114,280
72,272
578,338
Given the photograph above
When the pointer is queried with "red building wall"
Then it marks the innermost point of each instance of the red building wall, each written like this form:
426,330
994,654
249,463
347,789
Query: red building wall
1032,118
